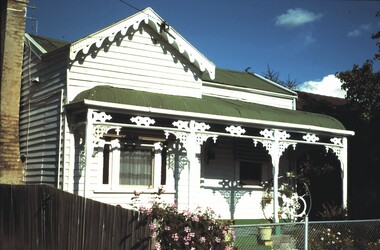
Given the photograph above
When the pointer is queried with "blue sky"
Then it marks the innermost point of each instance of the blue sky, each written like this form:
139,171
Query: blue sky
304,40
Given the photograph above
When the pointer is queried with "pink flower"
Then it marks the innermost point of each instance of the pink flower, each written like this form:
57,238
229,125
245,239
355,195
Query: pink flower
187,229
175,237
152,226
187,238
217,239
202,239
195,218
157,246
149,211
167,228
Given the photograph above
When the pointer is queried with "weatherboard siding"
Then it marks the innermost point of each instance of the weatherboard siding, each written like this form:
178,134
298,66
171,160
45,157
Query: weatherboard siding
41,117
142,62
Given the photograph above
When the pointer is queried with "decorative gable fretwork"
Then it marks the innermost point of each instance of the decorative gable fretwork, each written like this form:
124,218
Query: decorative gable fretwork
117,31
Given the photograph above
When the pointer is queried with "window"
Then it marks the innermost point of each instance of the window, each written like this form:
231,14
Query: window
250,173
128,162
136,165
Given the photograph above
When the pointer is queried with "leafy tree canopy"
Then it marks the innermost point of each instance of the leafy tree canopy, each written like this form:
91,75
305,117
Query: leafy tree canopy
377,36
362,85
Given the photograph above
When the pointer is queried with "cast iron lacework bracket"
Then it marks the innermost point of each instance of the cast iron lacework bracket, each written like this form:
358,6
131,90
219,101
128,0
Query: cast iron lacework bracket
189,129
99,130
270,139
232,192
336,148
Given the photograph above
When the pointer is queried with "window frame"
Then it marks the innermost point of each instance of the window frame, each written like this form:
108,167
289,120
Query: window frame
114,156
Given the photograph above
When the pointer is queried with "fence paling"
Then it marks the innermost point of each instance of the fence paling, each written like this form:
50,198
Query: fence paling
42,217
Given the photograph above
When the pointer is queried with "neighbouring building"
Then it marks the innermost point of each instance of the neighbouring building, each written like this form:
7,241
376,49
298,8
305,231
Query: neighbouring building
135,106
12,30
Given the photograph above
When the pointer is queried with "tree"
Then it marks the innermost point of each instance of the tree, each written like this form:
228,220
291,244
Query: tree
274,76
377,36
362,85
363,89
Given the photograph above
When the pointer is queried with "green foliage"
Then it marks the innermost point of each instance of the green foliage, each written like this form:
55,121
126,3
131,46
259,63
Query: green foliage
175,229
333,212
331,239
338,236
377,36
363,89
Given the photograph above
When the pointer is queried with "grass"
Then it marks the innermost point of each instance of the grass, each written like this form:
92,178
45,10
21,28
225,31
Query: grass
248,239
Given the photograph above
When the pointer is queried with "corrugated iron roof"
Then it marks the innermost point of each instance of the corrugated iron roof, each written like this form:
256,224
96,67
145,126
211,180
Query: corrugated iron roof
49,44
207,105
247,80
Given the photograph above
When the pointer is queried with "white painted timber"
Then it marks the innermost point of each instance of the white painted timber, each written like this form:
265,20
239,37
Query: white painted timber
137,63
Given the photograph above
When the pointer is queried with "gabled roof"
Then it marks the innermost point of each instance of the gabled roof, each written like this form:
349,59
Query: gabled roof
152,19
248,80
49,44
212,108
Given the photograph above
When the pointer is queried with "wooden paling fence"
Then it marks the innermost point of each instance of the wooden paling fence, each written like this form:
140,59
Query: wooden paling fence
42,217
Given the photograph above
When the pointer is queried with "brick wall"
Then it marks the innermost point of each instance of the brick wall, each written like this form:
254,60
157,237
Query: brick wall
12,45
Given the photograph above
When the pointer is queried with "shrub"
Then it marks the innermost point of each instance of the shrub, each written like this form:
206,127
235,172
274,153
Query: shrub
173,229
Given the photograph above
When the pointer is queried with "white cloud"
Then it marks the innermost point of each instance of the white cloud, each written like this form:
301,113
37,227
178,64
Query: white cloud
358,31
308,39
329,85
296,17
353,33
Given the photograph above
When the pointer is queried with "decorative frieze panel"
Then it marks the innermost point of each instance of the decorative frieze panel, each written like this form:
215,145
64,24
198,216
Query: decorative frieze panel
143,121
310,138
235,130
100,117
191,126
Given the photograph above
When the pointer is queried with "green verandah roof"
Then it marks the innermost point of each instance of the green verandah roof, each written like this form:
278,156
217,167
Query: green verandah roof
207,105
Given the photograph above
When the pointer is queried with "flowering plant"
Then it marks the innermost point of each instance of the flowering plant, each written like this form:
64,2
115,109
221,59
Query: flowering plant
175,229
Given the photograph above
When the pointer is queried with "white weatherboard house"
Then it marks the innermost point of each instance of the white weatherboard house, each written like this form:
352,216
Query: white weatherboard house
135,106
